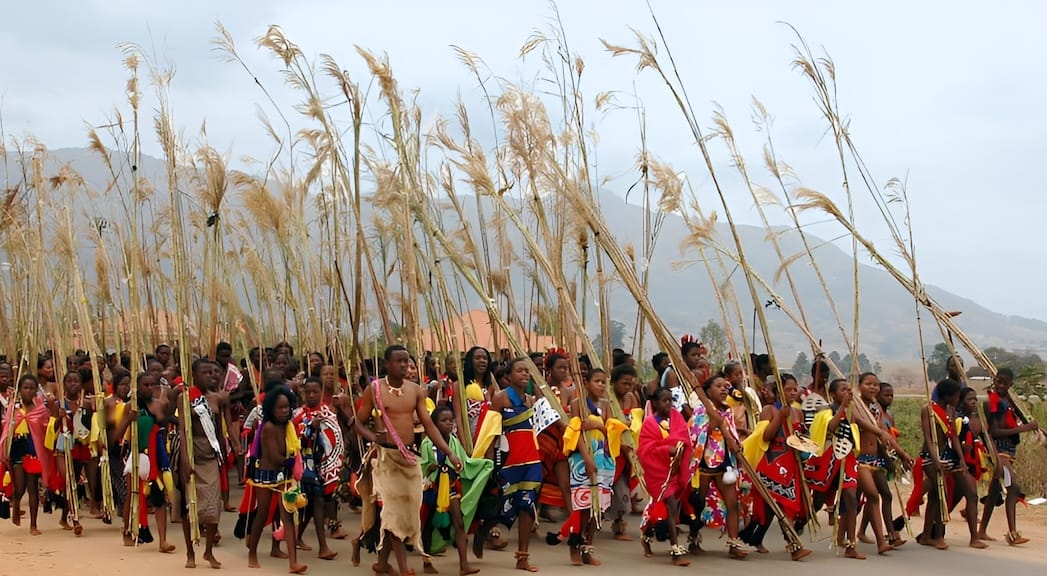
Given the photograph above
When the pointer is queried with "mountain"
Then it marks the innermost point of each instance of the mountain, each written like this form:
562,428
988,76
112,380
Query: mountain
683,296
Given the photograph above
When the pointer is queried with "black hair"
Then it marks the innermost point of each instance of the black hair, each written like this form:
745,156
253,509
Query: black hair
709,381
761,362
728,367
619,357
622,371
271,385
965,391
551,358
1005,373
512,364
71,374
439,410
835,385
865,375
200,362
786,377
658,358
388,355
270,402
24,378
947,387
819,367
223,347
885,385
313,380
687,346
41,360
161,346
469,371
660,391
594,372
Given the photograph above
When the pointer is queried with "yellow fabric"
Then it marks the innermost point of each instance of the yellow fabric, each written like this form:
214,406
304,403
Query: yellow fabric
820,430
636,422
474,392
97,425
23,426
429,405
443,492
166,480
52,435
491,427
571,435
754,447
615,429
293,443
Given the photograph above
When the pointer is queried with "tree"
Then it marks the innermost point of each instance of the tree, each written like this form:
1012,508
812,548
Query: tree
802,365
936,361
863,363
713,336
835,357
617,336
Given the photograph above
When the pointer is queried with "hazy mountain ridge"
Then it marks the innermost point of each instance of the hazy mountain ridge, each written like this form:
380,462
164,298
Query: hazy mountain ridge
684,297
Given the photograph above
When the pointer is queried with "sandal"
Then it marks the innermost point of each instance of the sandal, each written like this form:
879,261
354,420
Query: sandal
679,555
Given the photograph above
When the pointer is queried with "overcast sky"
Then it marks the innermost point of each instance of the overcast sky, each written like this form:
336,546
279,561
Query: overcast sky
951,94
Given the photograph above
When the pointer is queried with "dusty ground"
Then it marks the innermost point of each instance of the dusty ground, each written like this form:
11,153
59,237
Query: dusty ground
99,551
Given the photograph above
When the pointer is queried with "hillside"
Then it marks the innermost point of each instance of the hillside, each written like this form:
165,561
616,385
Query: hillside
684,297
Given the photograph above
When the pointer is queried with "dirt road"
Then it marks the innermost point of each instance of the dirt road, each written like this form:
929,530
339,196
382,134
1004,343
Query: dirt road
99,551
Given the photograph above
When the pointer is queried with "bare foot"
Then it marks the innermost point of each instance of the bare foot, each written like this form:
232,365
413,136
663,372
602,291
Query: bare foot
128,540
800,554
985,537
736,553
978,544
215,564
16,518
230,508
299,569
339,535
166,548
576,556
356,552
852,553
78,529
190,562
681,561
304,547
864,539
467,570
428,568
884,548
252,561
761,549
35,531
623,537
327,554
523,564
278,553
65,525
646,548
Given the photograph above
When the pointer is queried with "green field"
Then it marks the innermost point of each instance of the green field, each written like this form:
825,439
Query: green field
1031,465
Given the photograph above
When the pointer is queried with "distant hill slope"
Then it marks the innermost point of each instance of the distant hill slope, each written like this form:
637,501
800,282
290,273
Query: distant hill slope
684,297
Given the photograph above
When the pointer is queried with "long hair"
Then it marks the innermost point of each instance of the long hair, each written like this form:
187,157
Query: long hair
469,371
270,402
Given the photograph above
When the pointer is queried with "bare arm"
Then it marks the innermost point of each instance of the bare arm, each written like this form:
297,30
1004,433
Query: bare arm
430,428
363,415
